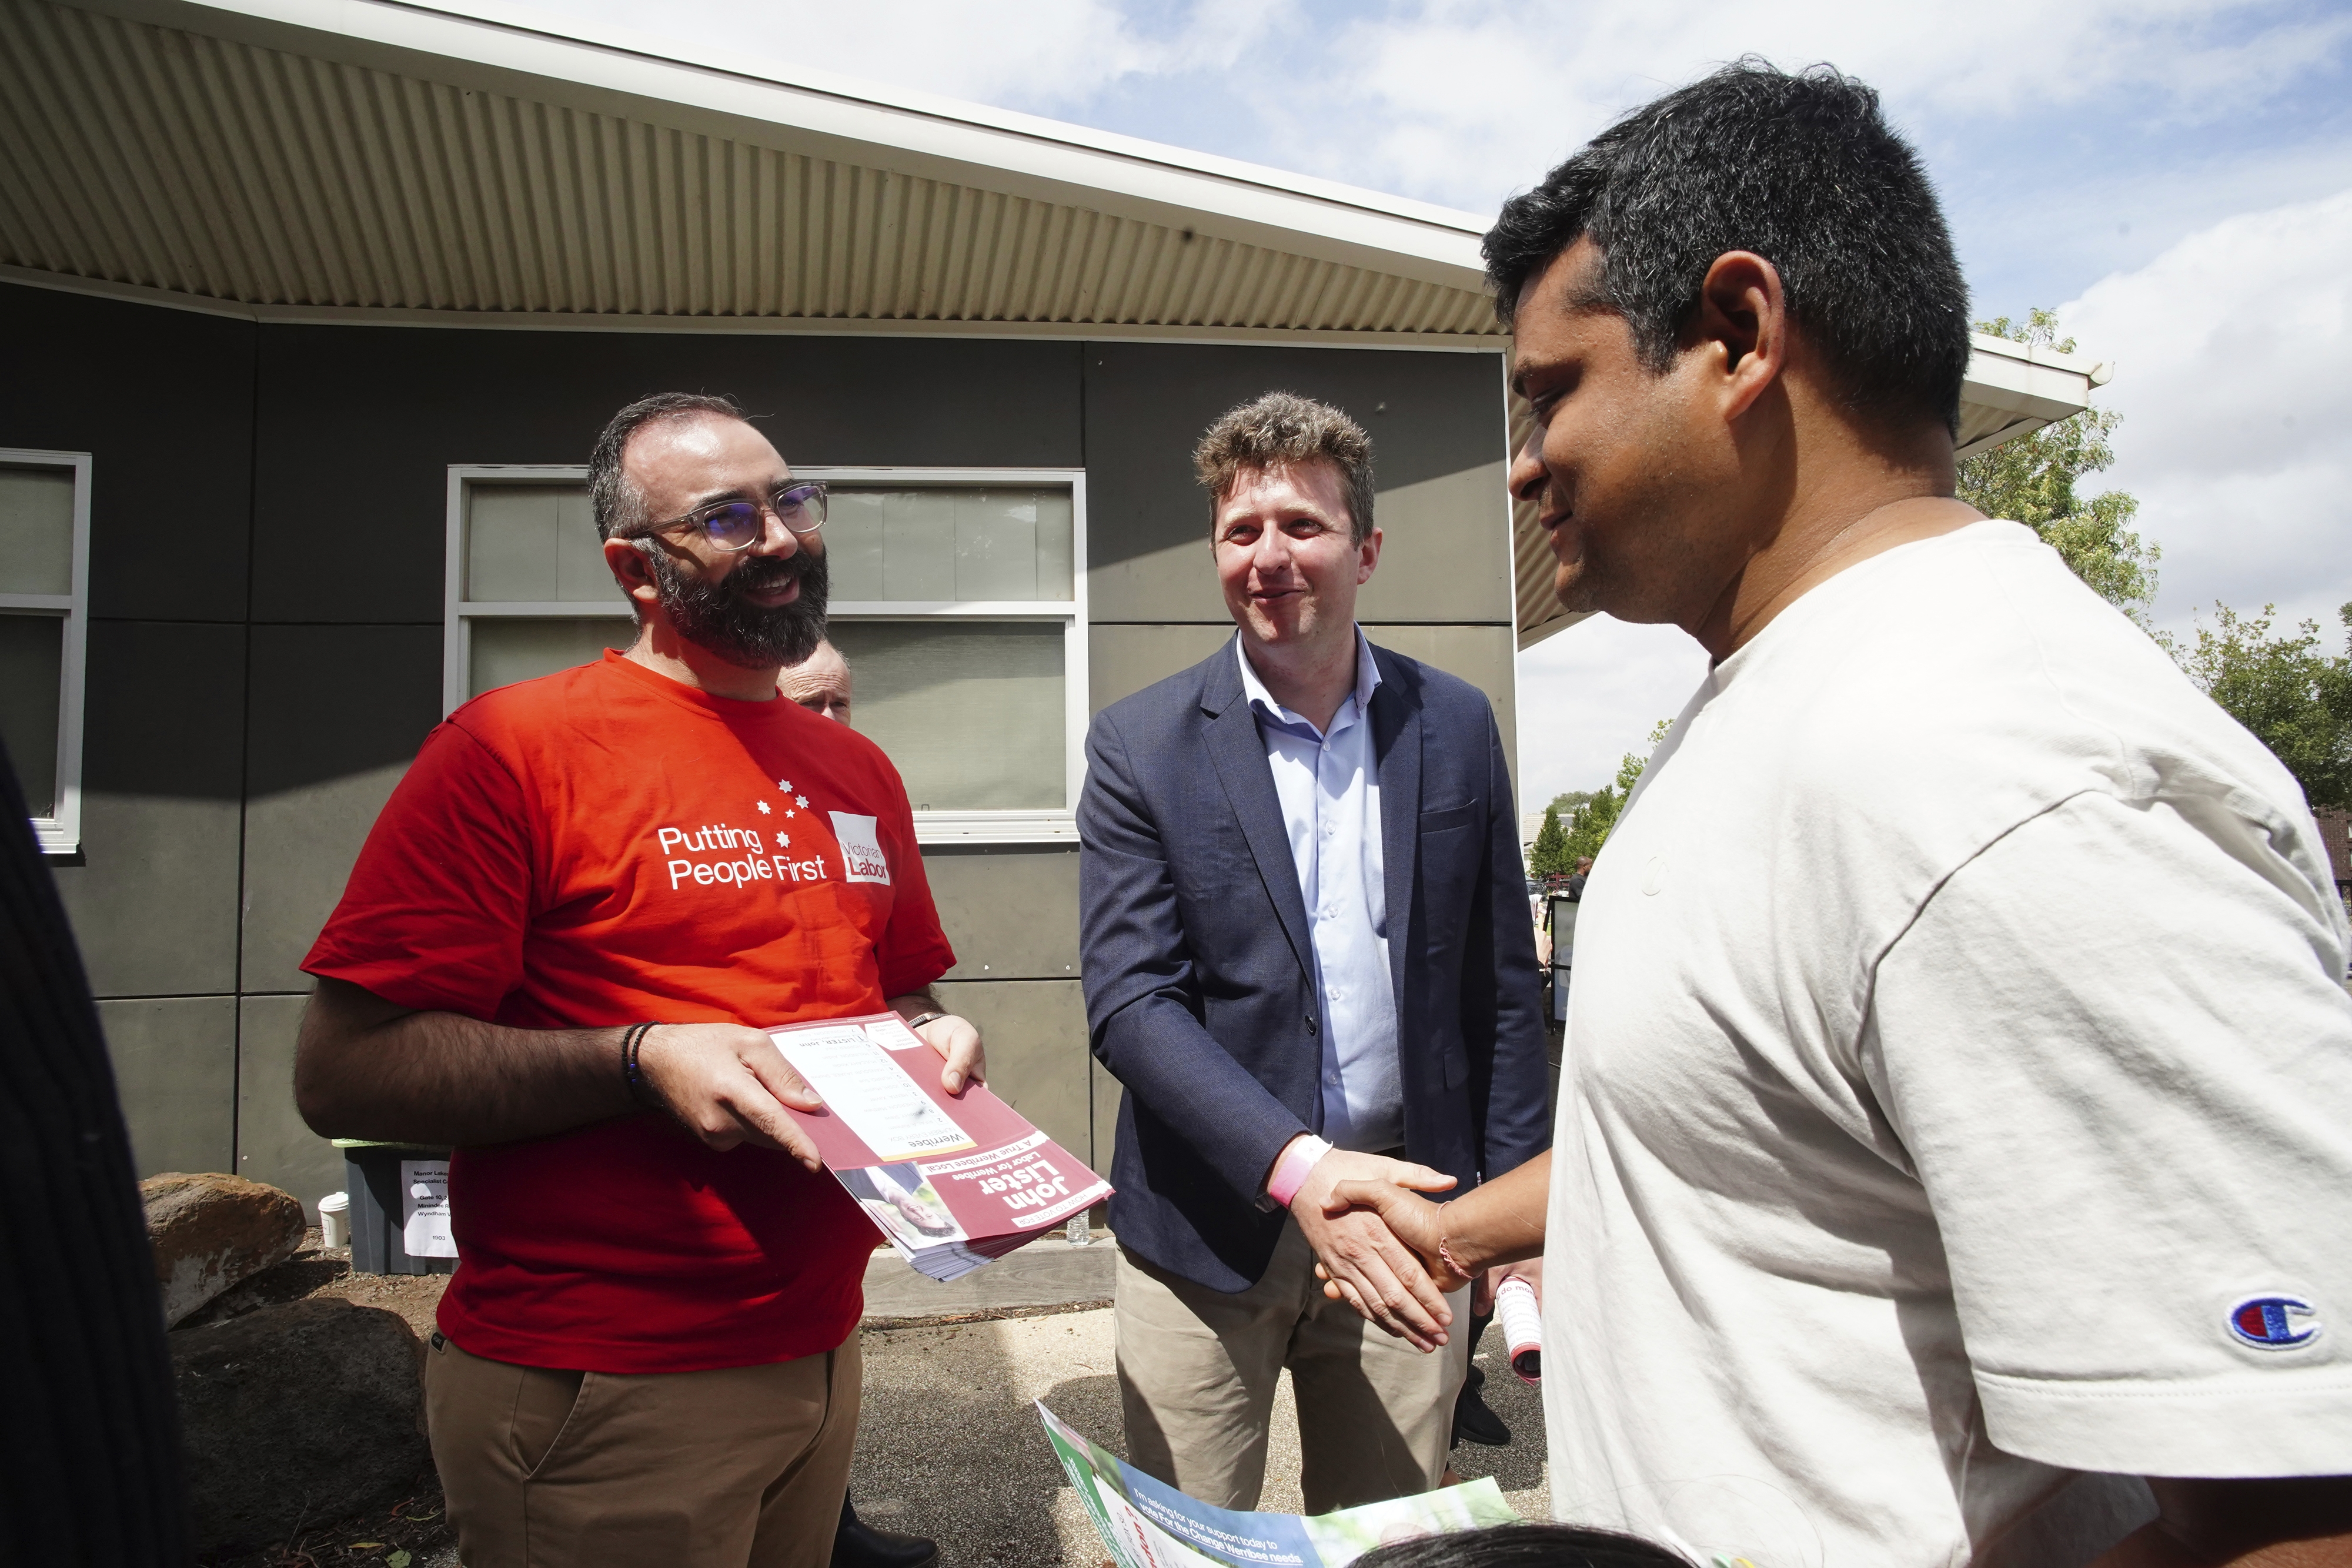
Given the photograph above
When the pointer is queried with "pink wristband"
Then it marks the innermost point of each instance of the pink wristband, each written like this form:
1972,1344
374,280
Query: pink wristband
1291,1170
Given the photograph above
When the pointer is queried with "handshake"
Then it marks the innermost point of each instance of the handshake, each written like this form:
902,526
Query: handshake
1381,1247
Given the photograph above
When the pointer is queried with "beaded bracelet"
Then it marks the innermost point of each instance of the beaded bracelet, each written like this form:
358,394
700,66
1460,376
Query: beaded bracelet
639,1090
1444,1255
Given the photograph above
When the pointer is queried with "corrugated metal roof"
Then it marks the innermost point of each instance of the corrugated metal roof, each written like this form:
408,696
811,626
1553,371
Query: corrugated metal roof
299,158
229,170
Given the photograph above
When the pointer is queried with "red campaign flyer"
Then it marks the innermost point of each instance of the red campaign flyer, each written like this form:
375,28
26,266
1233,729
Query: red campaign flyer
954,1181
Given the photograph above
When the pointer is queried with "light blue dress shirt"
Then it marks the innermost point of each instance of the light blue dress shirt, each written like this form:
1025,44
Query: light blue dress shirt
1328,785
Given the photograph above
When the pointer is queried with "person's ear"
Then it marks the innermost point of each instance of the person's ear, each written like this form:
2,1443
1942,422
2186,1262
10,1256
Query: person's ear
1742,327
1368,557
626,559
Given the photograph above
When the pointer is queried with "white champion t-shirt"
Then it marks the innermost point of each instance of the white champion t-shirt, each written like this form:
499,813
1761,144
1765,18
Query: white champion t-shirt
1959,1094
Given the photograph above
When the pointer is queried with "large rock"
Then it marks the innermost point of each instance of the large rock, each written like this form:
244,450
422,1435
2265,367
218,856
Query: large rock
294,1414
210,1231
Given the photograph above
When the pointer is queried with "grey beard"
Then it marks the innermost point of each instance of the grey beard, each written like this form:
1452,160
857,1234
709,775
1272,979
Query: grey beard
717,615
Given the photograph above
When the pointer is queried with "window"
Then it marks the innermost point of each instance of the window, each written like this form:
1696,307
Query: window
958,597
44,598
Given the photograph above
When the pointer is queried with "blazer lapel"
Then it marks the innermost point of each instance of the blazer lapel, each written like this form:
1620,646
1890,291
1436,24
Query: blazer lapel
1396,752
1239,754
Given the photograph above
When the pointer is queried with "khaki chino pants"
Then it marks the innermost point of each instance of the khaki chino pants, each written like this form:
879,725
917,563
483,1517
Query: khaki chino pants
741,1468
1198,1369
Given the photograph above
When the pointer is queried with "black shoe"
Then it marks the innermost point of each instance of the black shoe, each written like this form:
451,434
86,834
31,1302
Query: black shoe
857,1544
1472,1419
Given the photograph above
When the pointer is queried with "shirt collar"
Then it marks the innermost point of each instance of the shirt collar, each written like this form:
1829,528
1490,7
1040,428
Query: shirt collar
1368,681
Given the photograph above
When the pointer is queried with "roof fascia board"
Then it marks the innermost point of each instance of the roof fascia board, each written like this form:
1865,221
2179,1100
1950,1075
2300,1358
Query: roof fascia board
750,325
736,104
2023,379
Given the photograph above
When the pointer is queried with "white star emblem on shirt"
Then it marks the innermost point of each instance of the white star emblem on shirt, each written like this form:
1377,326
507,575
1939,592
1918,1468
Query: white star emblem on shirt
763,806
802,801
785,839
785,784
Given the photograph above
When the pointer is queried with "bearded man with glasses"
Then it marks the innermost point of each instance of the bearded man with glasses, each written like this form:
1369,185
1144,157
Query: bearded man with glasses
558,952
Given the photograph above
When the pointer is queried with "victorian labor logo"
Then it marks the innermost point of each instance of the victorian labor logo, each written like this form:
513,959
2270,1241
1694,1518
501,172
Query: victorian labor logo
2273,1322
861,849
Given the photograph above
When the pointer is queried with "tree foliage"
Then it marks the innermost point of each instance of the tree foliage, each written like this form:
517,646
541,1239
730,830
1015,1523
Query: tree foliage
1548,856
2030,480
1590,826
2295,697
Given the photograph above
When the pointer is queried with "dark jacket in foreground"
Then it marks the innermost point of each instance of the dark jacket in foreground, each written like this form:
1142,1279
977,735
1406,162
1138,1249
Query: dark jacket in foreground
1200,985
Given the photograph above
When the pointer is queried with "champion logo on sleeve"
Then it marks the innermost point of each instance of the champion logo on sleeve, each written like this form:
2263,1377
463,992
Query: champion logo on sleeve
2274,1322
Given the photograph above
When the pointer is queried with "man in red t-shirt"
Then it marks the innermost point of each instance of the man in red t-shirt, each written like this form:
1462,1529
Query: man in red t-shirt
648,1353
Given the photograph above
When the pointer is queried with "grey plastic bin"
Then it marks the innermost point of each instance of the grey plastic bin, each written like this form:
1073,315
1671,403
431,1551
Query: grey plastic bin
371,1177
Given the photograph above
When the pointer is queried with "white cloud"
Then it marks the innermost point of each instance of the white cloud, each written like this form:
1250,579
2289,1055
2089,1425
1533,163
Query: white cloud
1457,100
2229,351
1590,694
1038,55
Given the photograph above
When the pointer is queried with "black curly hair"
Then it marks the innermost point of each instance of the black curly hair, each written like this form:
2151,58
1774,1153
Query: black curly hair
1800,169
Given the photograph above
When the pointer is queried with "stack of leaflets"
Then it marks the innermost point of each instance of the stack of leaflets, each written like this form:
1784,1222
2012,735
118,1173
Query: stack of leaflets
1147,1523
955,1182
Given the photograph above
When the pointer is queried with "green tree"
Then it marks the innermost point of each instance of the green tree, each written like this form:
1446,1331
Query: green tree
2032,478
1547,857
2295,697
1590,826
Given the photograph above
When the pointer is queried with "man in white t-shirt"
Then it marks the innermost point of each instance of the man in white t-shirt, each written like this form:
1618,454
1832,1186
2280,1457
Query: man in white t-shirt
1954,1162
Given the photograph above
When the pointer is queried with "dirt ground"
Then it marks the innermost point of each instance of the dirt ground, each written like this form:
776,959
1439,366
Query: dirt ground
948,1441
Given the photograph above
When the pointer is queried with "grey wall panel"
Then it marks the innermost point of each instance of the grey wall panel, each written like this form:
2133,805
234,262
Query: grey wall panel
349,514
272,1144
1446,551
1482,655
1429,416
1123,660
163,402
175,1071
154,901
1035,1032
1011,911
337,713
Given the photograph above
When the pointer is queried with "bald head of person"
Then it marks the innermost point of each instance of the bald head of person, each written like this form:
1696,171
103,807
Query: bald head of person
819,683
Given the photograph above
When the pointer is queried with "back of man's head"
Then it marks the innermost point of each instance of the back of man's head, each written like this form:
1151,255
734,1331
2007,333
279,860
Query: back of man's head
1801,170
618,506
1284,430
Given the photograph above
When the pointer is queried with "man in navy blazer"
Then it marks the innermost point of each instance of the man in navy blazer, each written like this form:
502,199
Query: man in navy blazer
1307,958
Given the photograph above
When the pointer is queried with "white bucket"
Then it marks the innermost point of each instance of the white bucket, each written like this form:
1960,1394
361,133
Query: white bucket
335,1219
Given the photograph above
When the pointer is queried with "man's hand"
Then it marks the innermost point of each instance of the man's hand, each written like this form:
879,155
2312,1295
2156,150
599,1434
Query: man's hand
957,1043
955,1038
1406,1218
1386,1282
1491,1280
726,1085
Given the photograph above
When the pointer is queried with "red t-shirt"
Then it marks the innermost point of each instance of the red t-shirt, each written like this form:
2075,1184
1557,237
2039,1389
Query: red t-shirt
607,845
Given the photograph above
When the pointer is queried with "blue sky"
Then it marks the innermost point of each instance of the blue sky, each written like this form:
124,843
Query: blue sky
2177,177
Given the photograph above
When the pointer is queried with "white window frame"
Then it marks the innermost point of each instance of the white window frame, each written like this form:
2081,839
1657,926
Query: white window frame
965,827
59,833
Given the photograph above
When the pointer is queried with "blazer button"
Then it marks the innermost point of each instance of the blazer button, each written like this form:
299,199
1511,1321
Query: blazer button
1310,1022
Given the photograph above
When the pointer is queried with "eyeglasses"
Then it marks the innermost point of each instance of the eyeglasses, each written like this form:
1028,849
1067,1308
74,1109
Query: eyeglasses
732,526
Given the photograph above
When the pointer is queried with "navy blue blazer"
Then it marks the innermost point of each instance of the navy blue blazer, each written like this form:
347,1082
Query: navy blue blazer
1200,987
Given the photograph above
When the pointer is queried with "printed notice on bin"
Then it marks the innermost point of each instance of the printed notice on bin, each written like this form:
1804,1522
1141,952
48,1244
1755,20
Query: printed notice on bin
954,1181
425,1209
